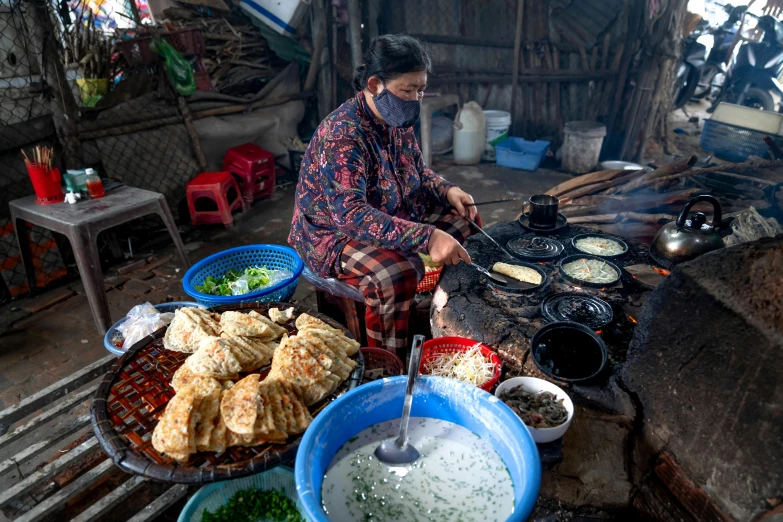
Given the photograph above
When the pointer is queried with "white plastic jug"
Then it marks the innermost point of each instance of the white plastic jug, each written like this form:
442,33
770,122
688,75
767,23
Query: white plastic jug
470,129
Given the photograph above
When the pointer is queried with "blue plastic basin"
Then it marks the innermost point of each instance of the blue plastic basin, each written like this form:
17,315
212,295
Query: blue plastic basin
434,397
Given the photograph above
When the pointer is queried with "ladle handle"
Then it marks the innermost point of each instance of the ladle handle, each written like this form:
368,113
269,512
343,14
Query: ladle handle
413,372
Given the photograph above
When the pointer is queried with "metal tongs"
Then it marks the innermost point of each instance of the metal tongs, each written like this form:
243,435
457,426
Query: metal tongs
509,254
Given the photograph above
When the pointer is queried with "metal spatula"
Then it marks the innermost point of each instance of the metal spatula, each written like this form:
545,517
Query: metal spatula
509,254
495,278
400,451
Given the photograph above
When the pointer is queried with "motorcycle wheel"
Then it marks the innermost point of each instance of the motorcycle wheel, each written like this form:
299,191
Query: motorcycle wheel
757,98
684,86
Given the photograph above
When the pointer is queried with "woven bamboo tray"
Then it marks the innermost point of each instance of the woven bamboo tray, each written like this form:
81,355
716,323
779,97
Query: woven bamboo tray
134,393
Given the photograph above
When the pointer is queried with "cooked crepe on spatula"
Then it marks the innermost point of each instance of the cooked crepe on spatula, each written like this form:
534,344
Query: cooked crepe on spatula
520,273
188,328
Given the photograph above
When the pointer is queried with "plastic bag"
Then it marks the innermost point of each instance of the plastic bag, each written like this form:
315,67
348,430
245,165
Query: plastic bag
242,285
178,68
141,321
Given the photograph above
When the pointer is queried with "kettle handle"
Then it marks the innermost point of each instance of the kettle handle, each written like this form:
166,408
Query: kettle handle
717,216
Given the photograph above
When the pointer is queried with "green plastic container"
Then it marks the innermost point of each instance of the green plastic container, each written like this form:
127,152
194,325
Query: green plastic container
75,180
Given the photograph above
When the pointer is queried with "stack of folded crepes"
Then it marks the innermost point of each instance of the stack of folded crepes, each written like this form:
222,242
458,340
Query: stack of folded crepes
211,411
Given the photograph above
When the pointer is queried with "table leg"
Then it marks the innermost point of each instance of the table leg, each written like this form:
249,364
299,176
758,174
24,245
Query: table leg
85,248
168,220
23,240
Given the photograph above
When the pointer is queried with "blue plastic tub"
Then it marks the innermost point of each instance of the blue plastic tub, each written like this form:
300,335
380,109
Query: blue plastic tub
274,257
518,153
435,397
163,307
213,496
732,142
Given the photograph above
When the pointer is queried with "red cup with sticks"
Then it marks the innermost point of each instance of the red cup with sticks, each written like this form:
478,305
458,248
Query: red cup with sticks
45,178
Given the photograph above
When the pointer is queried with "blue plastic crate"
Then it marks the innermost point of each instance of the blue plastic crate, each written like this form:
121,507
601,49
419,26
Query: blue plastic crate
519,153
732,142
162,308
275,257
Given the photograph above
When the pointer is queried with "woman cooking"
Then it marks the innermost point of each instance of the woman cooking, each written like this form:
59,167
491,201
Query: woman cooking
366,204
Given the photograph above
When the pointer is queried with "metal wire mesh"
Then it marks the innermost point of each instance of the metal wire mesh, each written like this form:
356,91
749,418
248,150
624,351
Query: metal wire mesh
127,125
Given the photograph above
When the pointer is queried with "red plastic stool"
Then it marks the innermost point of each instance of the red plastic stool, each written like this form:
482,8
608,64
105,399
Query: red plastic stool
254,168
216,187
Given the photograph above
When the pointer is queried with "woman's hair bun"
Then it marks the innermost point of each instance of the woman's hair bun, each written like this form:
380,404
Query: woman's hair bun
390,56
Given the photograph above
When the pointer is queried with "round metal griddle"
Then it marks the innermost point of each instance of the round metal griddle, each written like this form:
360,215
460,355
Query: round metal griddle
514,286
601,236
578,308
535,248
581,282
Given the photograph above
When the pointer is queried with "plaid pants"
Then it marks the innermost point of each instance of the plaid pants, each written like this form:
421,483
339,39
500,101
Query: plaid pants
388,281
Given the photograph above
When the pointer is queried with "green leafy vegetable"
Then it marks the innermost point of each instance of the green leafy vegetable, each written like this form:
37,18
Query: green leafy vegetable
252,505
251,279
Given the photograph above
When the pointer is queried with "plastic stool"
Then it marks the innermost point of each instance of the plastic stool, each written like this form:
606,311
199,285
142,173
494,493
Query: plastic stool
216,187
254,168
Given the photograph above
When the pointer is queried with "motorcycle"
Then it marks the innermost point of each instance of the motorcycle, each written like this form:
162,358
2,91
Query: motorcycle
718,42
686,77
753,72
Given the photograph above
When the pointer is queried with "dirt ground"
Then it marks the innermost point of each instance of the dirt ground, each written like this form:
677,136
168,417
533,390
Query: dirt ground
47,338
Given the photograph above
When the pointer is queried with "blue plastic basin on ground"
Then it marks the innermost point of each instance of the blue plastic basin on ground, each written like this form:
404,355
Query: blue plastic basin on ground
435,397
162,308
518,153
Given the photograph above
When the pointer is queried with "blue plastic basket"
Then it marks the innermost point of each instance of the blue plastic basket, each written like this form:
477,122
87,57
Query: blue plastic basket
213,496
519,153
732,142
163,307
275,257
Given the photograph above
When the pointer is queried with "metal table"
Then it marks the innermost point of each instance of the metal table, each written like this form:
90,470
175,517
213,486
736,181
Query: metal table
81,223
52,464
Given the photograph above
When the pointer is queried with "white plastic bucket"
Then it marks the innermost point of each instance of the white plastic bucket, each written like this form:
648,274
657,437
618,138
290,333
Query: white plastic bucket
582,145
498,123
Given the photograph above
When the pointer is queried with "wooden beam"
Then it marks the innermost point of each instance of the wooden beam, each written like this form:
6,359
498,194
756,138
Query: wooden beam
461,40
515,64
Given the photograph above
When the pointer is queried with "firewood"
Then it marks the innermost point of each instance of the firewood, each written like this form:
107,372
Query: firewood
624,216
605,204
658,174
583,180
598,187
742,167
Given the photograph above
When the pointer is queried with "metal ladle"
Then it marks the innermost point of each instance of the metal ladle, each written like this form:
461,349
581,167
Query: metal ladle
399,451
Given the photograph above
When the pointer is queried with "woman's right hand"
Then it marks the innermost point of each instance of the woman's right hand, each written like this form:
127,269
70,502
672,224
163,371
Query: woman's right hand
445,249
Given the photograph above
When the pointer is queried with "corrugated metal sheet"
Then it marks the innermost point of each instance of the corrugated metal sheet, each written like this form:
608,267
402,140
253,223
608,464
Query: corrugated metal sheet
583,21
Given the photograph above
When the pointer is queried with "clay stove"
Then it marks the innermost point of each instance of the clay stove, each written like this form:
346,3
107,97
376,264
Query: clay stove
686,422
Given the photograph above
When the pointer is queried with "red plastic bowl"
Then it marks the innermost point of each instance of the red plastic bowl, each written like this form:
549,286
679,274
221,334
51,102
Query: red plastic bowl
434,347
380,359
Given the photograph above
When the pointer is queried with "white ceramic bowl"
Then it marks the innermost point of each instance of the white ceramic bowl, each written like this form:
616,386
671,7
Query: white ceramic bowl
531,384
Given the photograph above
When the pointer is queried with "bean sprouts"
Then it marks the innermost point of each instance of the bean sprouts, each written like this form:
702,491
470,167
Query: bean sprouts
469,366
591,271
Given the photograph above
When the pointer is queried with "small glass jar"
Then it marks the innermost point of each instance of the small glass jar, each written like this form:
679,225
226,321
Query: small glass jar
94,184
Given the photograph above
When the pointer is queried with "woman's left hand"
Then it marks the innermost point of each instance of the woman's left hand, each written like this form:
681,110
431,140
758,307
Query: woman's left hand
458,198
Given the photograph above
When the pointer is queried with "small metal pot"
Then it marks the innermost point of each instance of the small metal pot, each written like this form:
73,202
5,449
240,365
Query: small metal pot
568,351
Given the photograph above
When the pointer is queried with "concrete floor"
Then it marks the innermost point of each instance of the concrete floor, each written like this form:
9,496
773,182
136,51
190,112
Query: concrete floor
45,339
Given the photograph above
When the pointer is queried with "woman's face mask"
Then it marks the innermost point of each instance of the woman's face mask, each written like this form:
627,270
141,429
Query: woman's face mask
395,111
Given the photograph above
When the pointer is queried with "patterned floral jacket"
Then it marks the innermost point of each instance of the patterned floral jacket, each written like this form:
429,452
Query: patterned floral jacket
362,180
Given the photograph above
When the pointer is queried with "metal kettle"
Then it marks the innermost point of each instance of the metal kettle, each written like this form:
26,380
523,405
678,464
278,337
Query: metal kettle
686,239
